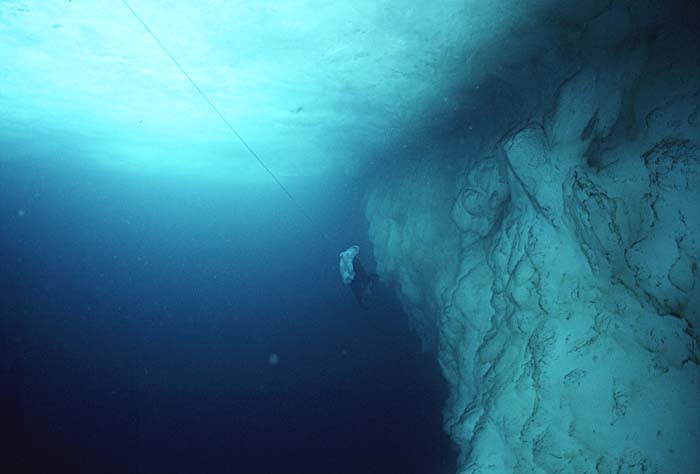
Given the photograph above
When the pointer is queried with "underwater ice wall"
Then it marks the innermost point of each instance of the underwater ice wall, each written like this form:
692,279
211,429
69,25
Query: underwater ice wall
555,268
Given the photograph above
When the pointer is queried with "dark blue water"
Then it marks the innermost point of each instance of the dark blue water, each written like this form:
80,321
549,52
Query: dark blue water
141,314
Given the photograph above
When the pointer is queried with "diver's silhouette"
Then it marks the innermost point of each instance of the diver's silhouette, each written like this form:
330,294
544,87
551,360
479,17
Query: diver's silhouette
354,274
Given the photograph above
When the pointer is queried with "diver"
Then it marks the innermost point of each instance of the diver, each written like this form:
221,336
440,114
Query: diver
353,273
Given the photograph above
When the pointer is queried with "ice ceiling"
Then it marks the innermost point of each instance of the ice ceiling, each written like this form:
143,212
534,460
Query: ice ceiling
312,85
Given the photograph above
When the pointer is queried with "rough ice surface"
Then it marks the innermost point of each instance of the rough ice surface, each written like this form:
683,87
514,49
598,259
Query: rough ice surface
555,266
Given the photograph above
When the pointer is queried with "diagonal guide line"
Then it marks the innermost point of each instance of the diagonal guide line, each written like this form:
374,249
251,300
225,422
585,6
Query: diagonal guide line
221,116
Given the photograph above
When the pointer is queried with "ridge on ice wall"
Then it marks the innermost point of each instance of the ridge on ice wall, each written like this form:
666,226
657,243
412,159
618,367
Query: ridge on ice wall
557,273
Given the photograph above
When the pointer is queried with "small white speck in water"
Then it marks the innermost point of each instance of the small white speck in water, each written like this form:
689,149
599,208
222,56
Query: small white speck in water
273,359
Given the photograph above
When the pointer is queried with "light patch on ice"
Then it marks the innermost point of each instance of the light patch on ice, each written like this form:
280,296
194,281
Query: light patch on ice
312,85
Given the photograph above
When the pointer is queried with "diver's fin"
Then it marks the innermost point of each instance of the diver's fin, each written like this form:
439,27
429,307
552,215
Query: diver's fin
368,290
373,279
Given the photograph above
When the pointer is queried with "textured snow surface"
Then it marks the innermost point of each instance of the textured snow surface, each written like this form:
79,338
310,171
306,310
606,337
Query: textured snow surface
555,270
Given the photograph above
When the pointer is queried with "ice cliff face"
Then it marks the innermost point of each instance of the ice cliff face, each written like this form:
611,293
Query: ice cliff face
555,270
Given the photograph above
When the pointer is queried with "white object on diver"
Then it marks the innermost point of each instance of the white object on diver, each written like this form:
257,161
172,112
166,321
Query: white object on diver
347,271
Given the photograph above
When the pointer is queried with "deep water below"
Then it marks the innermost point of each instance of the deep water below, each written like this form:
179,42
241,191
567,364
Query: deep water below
140,314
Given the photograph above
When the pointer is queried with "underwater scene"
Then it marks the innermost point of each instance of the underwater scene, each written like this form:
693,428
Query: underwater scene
378,236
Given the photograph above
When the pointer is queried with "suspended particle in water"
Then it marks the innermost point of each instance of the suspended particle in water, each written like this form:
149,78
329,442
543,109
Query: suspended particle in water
21,212
273,359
